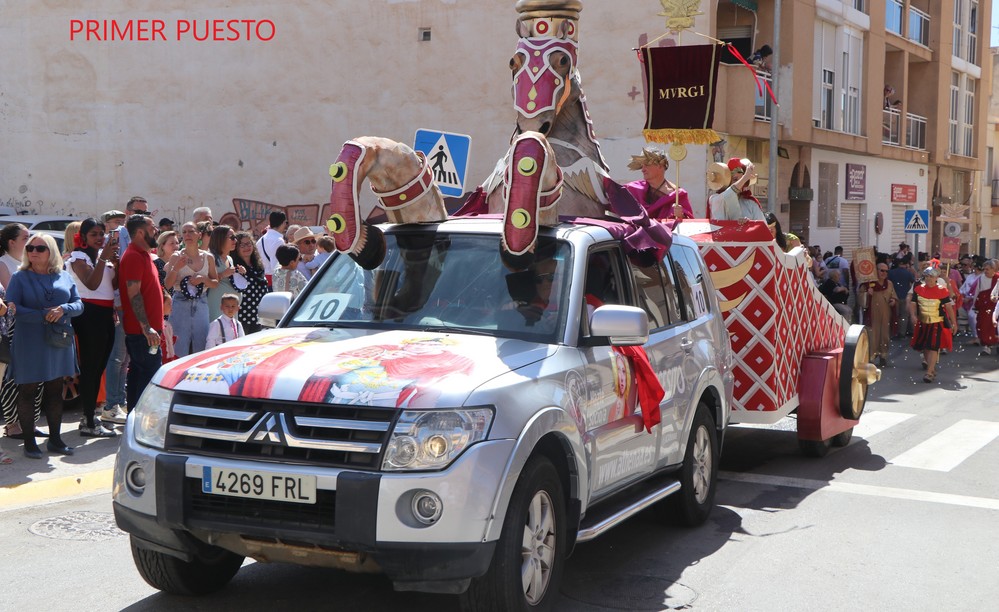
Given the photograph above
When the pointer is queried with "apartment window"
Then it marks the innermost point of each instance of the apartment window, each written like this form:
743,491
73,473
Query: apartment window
973,33
968,125
919,26
859,5
828,195
958,31
893,16
828,78
955,91
852,59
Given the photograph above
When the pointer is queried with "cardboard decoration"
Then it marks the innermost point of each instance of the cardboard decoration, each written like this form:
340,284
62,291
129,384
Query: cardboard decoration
865,265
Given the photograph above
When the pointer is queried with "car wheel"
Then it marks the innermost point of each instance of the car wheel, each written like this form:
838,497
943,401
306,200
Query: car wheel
207,573
842,439
692,504
527,566
814,448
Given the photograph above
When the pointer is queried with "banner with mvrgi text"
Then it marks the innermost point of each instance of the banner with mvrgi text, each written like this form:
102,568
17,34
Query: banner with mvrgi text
680,85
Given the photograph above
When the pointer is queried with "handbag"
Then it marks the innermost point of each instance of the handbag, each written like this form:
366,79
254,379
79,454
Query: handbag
59,335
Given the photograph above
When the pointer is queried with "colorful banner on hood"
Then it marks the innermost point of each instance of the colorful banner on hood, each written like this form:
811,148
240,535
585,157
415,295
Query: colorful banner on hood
680,85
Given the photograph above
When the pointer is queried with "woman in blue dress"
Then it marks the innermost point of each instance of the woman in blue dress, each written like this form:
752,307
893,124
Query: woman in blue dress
43,295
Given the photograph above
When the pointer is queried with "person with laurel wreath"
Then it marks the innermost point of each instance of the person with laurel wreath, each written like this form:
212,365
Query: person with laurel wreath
190,272
881,301
661,198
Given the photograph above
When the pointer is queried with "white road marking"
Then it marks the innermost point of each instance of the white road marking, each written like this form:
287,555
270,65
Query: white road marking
873,423
861,489
949,448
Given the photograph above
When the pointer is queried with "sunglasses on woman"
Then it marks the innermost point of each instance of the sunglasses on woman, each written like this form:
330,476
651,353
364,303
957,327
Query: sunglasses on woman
31,248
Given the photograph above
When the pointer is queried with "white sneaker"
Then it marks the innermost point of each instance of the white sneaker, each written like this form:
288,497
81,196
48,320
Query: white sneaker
115,414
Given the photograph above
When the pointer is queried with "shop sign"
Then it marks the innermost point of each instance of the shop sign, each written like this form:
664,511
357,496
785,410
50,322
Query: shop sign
903,193
856,182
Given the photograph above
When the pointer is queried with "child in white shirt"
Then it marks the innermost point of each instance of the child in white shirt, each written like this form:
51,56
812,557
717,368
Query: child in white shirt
227,327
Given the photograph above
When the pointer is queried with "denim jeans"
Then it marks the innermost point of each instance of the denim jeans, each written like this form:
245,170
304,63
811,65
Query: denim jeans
114,375
141,366
189,319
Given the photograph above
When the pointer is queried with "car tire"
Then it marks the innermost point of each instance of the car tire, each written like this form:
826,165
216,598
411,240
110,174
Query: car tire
843,438
692,504
206,574
526,568
814,448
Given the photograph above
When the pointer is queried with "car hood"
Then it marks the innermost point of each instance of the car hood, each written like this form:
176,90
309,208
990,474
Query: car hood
351,366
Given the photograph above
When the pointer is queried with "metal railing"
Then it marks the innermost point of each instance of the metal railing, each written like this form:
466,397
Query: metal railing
919,26
763,110
995,193
891,127
915,131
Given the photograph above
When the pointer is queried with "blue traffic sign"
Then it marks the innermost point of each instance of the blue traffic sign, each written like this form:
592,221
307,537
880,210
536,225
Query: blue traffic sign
917,222
448,156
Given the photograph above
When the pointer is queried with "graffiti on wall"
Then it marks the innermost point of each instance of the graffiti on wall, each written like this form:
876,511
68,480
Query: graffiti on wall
253,215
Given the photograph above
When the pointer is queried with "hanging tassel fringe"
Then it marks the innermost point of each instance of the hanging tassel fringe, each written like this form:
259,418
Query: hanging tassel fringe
670,136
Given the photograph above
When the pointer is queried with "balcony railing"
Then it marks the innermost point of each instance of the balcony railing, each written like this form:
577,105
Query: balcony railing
995,193
891,128
915,131
919,26
764,105
893,16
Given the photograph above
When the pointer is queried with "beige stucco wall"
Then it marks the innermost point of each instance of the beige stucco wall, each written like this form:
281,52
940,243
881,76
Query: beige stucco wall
84,125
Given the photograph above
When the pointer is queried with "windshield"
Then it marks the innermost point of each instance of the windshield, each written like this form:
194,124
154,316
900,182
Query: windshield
435,281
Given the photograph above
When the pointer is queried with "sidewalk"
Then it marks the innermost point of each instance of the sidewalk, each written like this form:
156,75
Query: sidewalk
28,482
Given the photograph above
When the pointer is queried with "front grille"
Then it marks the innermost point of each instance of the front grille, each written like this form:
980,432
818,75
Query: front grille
244,512
328,435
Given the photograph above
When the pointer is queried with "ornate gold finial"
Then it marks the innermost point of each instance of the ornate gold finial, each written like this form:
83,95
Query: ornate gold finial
680,13
549,18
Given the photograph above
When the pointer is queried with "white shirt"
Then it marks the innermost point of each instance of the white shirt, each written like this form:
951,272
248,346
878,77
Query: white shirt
223,329
267,247
104,291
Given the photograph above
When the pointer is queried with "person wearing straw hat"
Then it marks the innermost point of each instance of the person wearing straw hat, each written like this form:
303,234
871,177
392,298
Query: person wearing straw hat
733,200
661,198
307,243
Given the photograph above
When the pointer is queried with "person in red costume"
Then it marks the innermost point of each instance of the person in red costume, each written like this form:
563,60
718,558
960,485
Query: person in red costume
930,304
984,305
661,198
736,202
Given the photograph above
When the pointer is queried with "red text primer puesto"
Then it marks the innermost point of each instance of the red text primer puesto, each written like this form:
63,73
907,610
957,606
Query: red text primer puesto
145,30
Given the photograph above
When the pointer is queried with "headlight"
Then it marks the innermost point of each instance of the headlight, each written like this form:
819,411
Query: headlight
431,439
149,419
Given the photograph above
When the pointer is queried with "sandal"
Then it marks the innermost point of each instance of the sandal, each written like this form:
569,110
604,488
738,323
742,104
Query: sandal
5,459
929,377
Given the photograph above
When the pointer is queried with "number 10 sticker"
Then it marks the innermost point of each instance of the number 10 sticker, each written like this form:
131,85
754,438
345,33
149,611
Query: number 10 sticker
325,306
700,302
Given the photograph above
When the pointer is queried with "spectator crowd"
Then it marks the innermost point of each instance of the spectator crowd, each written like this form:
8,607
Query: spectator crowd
122,297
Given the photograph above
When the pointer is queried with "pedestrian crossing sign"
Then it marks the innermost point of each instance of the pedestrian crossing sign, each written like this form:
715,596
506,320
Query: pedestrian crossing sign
917,222
447,154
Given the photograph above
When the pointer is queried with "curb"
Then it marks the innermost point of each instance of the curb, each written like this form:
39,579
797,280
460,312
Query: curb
55,489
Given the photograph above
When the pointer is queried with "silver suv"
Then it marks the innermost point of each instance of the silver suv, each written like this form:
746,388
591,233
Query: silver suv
441,419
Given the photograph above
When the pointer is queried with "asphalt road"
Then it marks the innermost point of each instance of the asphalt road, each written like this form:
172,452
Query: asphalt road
906,517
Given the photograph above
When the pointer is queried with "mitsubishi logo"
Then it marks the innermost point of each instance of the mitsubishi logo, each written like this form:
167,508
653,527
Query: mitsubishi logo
269,429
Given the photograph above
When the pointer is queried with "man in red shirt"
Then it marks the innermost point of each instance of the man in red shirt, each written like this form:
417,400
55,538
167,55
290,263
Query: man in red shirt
142,303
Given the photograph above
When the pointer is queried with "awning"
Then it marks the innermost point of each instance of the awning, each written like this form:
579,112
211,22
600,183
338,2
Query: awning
746,4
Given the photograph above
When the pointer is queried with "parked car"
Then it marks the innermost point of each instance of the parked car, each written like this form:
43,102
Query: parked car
441,419
40,222
59,236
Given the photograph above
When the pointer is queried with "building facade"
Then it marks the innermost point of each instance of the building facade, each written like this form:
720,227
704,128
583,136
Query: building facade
883,109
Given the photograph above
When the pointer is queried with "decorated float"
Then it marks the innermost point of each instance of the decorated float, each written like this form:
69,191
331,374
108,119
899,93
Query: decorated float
792,351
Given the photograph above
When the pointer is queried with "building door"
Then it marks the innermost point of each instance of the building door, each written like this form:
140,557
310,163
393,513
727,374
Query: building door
798,220
852,222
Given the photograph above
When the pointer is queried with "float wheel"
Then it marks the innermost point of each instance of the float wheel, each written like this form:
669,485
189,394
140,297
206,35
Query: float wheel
856,373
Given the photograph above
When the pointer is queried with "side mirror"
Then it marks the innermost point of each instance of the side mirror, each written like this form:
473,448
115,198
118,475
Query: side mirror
273,307
621,325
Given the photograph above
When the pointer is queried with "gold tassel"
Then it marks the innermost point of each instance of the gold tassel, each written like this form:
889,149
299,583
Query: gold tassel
667,136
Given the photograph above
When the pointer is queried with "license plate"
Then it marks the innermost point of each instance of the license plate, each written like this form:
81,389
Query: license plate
300,489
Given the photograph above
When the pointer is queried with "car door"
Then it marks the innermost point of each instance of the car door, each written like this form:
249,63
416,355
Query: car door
693,334
655,289
622,450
